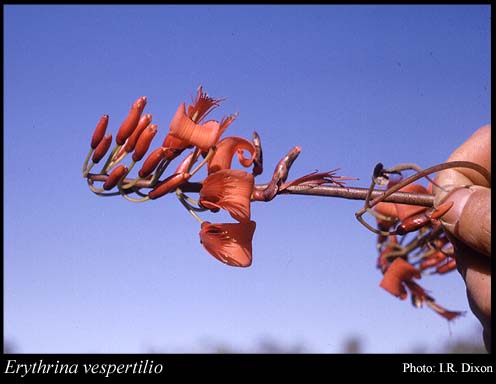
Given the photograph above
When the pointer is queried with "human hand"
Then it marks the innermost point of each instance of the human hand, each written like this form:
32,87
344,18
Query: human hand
468,222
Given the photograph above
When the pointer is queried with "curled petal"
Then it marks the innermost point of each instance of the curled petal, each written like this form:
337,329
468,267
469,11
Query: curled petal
229,243
230,190
144,141
131,121
133,139
398,272
225,150
102,148
115,176
99,132
203,136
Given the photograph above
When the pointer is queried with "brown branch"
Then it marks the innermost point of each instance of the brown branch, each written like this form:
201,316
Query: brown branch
391,195
353,193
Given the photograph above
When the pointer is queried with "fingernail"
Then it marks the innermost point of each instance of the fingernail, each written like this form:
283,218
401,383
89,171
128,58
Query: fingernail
459,198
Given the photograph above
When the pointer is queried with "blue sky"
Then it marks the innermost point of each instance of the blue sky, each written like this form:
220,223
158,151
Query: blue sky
352,85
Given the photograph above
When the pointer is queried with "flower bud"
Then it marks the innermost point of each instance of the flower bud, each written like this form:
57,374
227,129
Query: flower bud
114,177
132,119
102,148
144,142
133,139
99,132
151,162
168,185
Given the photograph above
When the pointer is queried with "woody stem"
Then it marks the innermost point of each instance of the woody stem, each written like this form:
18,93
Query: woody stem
353,193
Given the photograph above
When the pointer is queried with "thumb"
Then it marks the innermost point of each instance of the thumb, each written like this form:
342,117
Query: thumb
469,219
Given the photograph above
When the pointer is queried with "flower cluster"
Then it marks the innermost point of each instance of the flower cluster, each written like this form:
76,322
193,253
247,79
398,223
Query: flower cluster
411,242
224,188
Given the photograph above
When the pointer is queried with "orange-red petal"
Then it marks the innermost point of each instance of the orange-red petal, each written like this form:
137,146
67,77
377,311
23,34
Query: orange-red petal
228,189
398,272
229,243
225,150
203,136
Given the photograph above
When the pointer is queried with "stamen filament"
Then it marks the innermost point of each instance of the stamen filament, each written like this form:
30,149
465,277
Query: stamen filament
180,196
204,161
85,164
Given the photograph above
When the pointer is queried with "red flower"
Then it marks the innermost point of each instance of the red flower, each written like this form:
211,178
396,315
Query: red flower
398,272
229,243
228,189
203,136
225,150
187,126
